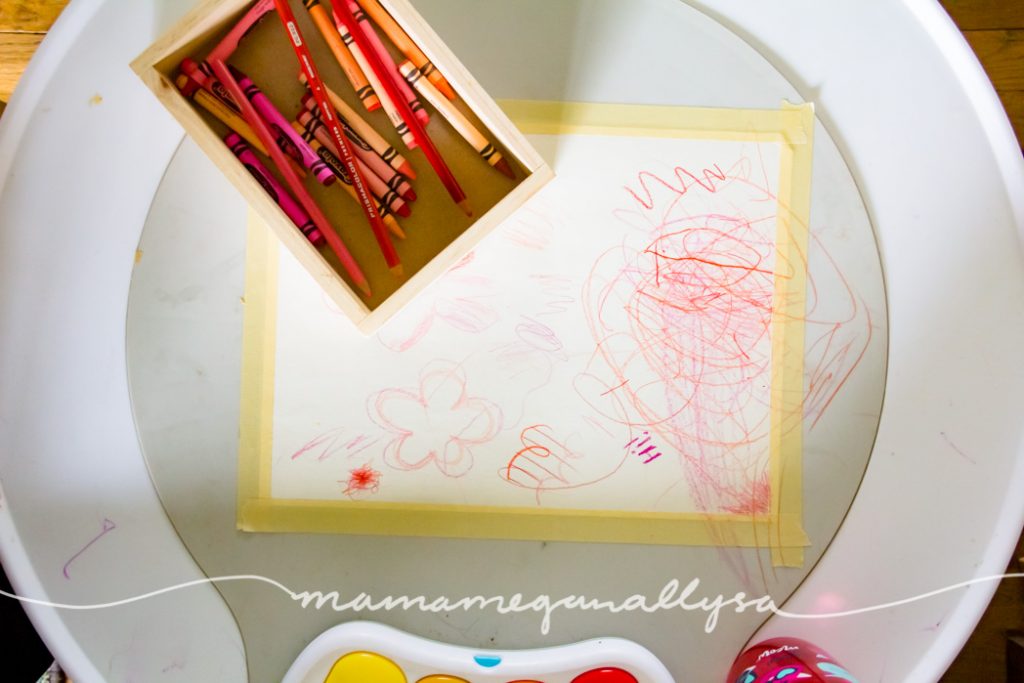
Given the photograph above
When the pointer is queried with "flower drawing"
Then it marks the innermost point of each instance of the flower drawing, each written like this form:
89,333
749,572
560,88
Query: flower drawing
436,423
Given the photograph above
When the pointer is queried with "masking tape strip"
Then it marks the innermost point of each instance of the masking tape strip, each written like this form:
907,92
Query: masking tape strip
259,336
789,306
781,529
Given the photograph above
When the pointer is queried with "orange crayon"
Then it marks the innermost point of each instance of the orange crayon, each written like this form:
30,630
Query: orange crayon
459,122
395,180
348,64
328,154
385,213
381,146
385,99
406,46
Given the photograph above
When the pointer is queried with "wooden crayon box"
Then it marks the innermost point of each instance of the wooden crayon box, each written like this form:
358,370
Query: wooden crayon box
438,233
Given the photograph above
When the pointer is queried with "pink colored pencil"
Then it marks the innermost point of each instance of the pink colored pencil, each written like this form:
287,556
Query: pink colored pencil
291,179
229,43
201,74
280,126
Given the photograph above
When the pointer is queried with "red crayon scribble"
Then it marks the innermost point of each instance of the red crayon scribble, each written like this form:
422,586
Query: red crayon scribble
108,526
363,479
460,299
684,181
322,446
556,291
682,314
529,229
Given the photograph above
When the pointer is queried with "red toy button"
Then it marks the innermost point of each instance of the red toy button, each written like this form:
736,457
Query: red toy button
606,675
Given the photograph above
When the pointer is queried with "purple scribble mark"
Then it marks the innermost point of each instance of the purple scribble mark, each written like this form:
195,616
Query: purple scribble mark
108,526
173,665
643,448
957,449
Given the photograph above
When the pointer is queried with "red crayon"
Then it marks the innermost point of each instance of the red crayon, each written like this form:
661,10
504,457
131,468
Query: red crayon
274,188
279,157
279,125
201,75
316,86
389,63
388,81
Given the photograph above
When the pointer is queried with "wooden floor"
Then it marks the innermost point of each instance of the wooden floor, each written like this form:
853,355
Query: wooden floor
994,29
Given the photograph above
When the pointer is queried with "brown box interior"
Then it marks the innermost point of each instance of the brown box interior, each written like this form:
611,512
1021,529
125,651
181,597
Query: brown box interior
266,56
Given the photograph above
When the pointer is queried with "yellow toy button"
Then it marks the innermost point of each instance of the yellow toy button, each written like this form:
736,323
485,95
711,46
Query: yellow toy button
363,667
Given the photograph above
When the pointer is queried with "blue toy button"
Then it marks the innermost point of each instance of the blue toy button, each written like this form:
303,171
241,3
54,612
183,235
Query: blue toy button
487,661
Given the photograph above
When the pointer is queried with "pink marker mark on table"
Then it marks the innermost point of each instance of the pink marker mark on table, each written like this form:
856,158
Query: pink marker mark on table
108,526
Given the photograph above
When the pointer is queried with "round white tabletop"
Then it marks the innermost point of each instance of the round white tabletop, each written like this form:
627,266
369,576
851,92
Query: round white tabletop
83,147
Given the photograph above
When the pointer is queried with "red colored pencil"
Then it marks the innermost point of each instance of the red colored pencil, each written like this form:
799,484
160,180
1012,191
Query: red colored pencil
268,140
389,82
316,86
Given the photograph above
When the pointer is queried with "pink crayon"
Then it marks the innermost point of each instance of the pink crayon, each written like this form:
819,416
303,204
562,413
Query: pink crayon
201,75
291,142
370,160
277,192
229,43
329,154
389,63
